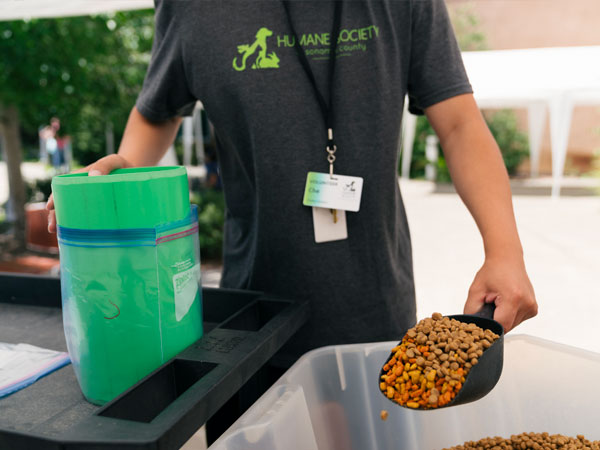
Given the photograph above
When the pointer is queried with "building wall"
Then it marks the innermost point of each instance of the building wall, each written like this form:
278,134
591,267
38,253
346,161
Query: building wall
510,24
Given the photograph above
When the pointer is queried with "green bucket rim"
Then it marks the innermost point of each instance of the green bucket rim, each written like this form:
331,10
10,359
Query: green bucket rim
129,174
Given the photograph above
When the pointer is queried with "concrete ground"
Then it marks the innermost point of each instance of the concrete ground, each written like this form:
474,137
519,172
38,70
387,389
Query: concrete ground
561,242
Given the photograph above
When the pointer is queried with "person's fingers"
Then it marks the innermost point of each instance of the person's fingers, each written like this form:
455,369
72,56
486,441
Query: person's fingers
51,215
507,310
50,203
106,165
490,297
51,221
528,308
103,166
475,298
82,170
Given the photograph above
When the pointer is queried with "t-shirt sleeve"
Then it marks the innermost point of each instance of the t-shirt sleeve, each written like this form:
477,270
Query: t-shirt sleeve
436,70
165,93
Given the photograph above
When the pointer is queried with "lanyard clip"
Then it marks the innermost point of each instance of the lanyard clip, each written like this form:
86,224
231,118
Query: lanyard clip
330,144
331,148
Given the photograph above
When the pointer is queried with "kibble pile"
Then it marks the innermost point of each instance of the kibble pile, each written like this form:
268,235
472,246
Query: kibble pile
531,441
429,366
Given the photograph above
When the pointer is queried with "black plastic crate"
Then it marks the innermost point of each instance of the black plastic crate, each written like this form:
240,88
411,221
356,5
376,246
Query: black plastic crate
243,330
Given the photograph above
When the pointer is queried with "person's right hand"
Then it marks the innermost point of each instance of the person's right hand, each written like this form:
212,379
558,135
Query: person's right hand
103,166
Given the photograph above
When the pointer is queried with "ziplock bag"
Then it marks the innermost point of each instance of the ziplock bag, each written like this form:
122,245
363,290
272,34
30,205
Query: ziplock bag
131,301
24,364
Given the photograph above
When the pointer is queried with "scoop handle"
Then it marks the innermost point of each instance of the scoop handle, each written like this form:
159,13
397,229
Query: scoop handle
486,311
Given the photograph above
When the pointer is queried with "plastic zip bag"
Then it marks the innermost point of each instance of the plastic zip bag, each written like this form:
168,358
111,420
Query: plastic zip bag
24,364
131,301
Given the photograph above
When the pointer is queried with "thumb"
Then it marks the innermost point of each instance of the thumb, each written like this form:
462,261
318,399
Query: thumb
504,314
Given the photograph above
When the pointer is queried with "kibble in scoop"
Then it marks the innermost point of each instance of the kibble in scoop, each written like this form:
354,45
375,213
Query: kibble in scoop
429,366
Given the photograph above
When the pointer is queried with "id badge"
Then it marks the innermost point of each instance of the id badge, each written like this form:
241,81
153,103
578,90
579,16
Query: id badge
329,225
338,192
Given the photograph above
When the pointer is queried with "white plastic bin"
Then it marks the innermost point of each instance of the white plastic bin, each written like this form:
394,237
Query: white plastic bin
330,400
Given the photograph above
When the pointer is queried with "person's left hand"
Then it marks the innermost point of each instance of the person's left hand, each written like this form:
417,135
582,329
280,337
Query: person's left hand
503,281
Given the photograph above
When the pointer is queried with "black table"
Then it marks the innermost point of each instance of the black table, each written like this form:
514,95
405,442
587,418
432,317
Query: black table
242,331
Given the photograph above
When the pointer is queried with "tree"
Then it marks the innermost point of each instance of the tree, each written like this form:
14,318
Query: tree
85,70
9,128
467,28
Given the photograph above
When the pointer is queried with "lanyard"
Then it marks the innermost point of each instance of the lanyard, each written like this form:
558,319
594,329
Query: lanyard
326,107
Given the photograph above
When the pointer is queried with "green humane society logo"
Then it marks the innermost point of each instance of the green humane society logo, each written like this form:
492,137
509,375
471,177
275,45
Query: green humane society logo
316,46
262,61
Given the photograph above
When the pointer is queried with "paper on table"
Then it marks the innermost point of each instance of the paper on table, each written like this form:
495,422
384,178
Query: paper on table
23,364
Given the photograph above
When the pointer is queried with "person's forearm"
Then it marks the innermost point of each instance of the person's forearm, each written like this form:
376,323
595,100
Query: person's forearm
481,180
144,143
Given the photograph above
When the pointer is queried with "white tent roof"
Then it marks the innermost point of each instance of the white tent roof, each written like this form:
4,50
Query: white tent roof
533,73
30,9
546,81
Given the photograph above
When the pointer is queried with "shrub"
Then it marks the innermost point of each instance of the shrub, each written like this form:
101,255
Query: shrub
513,144
211,219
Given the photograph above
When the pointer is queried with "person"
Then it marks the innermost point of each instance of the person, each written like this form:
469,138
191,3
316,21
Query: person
242,60
50,140
213,179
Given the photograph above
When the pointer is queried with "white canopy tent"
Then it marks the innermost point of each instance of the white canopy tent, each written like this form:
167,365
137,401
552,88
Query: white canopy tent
32,9
552,80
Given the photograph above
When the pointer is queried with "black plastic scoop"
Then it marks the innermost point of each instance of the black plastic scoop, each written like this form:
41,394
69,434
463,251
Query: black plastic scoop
484,375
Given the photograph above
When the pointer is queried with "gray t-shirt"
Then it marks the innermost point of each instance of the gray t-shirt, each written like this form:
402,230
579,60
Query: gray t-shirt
238,58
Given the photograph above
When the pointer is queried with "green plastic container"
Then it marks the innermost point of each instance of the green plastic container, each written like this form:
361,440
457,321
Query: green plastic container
131,297
127,198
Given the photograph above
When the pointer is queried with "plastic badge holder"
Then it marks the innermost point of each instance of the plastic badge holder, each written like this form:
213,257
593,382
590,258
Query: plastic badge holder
130,270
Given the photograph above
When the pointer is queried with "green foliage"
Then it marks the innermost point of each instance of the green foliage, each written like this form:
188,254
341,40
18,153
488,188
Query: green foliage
85,70
211,219
418,162
513,143
4,225
442,174
467,29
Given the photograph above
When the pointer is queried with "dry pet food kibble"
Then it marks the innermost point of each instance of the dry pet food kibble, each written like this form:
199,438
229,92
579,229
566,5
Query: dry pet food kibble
429,366
531,441
383,414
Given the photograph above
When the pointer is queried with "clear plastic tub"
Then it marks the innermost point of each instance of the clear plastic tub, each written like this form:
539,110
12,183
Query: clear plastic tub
330,400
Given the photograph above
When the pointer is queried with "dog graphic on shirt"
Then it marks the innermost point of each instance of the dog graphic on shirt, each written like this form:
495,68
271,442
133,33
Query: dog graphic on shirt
263,61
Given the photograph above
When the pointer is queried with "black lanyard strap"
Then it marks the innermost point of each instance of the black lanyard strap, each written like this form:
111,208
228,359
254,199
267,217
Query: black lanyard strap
326,107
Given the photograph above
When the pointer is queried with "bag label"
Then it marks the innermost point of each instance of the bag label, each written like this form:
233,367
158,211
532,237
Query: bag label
185,287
